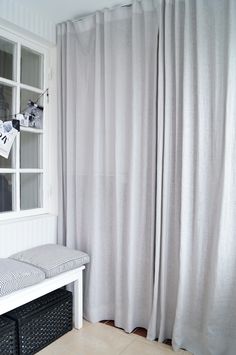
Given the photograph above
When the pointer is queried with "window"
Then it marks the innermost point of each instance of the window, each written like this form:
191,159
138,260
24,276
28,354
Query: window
22,175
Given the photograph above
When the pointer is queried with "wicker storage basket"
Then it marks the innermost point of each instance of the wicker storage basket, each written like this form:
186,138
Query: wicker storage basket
42,321
8,340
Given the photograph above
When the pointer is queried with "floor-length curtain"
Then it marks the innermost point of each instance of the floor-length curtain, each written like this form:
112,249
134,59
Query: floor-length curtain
147,154
108,66
196,200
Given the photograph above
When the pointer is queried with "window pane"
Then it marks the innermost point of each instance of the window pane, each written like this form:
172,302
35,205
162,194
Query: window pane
26,95
30,150
6,95
6,193
30,191
31,68
10,162
7,59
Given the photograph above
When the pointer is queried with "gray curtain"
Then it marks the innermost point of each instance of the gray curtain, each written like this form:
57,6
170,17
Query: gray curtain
147,167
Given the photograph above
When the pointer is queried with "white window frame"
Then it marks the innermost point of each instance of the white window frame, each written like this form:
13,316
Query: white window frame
20,41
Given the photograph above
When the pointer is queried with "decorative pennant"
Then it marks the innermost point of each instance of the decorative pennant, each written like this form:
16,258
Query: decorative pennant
31,116
34,115
8,133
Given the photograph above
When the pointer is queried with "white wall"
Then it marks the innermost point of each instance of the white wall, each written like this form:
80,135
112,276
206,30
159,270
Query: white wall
17,235
18,17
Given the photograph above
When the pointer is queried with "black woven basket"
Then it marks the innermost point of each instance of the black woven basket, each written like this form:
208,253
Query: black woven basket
42,321
8,337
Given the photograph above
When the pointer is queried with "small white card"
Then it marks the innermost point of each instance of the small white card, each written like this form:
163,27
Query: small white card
24,119
7,136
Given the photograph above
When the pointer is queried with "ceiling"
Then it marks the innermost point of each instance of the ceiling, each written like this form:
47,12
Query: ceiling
62,10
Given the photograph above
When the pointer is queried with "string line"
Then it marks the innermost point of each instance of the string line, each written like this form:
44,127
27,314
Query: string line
22,111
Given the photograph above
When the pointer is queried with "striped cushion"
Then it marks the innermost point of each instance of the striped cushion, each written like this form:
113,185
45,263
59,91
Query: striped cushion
15,275
53,259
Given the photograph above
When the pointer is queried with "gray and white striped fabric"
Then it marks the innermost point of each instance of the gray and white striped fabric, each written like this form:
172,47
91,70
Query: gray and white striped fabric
53,259
15,275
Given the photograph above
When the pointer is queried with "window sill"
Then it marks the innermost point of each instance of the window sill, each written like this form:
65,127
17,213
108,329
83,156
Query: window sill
29,215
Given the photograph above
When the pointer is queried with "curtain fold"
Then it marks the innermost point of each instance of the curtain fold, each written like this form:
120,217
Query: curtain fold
147,157
108,151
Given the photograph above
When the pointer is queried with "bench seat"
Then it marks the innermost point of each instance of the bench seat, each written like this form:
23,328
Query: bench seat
57,266
15,275
52,259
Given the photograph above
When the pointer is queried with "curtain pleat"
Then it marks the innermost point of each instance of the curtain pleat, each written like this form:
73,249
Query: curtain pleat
147,151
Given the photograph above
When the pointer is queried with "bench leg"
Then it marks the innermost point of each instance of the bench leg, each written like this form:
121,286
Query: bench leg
78,301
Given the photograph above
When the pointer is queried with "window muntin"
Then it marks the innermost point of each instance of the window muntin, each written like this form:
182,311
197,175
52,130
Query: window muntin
23,173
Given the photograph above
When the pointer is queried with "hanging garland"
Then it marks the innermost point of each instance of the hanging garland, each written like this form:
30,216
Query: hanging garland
31,116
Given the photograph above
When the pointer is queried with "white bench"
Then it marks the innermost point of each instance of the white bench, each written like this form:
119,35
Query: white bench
59,265
25,295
